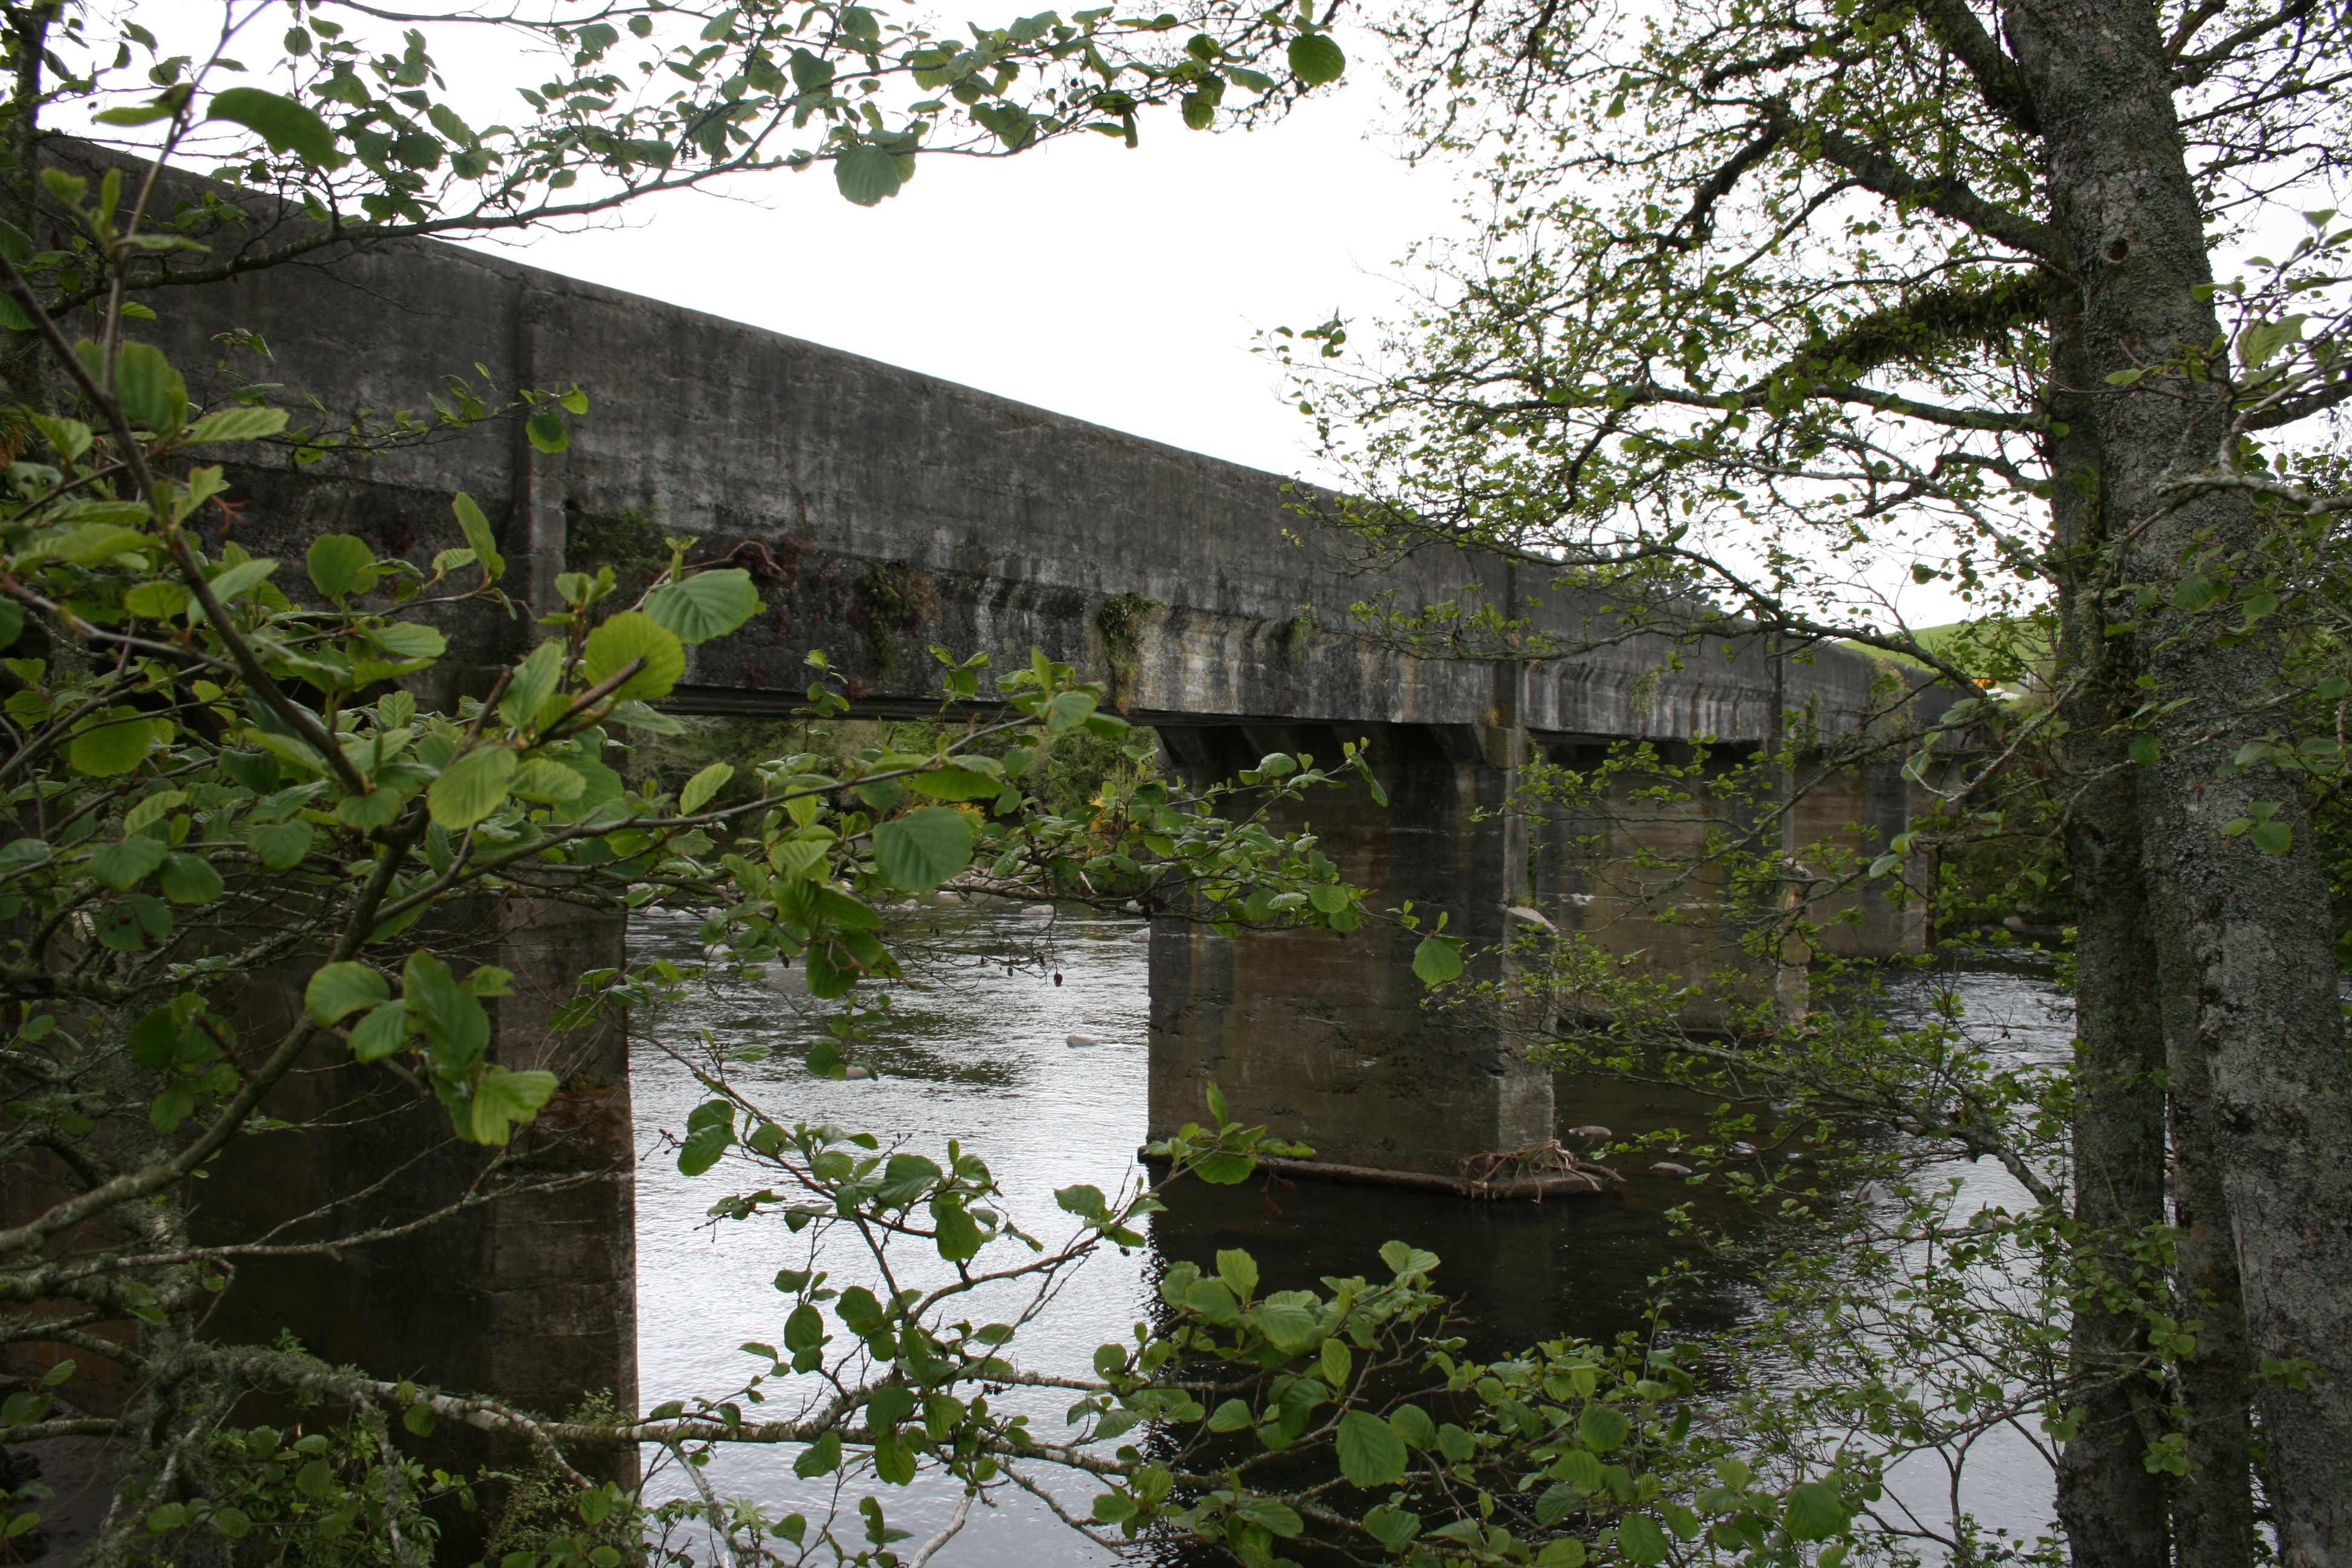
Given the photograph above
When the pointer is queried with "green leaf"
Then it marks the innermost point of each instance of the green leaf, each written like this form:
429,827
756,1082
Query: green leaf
866,175
702,787
551,780
653,721
241,579
2144,749
1277,1518
1371,1454
1316,57
546,430
154,1040
1404,1259
1603,1428
704,1143
119,865
280,844
286,125
2273,837
956,1233
473,787
1238,1269
114,745
503,1098
632,635
1643,1540
383,1031
152,392
1814,1513
12,621
236,425
1392,1526
923,848
534,682
190,880
957,783
1289,1326
152,601
1566,1553
478,534
342,565
1436,961
706,605
1068,710
1232,1415
366,813
1413,1423
820,1458
338,990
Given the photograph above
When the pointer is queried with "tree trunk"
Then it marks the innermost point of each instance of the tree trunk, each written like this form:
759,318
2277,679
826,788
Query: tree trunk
2254,927
2213,1504
2112,1505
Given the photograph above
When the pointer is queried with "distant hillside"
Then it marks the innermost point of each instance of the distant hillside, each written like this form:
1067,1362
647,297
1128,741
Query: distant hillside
2002,649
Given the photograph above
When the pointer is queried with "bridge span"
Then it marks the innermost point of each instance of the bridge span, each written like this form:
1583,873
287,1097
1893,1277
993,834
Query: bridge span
883,511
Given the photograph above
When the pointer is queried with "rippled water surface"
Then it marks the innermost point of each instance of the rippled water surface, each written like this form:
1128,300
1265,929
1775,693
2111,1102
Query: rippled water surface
984,1060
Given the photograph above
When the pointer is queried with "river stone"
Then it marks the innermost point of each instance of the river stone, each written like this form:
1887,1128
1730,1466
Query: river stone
1589,1134
1668,1168
1075,1041
1740,1150
1038,910
1141,936
854,1074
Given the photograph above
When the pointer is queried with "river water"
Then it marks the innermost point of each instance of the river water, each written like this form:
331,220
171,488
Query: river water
985,1059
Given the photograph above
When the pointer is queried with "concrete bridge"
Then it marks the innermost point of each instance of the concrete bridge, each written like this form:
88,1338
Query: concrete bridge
883,511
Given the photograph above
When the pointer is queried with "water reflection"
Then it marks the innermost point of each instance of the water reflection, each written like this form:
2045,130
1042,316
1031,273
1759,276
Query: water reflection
984,1057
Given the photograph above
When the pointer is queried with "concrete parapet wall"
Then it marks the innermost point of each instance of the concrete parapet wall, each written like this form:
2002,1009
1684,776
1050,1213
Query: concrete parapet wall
1005,526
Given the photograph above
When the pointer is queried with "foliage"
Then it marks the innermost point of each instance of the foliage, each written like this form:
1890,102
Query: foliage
1770,302
1825,1138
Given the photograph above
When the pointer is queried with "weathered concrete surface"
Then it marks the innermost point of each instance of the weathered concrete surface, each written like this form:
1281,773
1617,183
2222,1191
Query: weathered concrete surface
884,510
1324,1038
517,1295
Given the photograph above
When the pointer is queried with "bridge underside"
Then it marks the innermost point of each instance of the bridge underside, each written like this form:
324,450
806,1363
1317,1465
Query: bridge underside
1332,1041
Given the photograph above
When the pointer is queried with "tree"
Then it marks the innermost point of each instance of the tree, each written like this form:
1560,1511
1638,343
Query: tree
1776,293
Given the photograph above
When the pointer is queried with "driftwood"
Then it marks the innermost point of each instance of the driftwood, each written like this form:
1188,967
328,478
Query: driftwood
1566,1177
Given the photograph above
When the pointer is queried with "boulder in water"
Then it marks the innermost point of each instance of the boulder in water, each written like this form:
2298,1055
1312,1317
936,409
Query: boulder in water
854,1074
1588,1135
1038,910
1668,1168
1142,936
1074,1041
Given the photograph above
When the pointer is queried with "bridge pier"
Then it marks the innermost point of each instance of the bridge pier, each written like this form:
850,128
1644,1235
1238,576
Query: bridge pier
1322,1038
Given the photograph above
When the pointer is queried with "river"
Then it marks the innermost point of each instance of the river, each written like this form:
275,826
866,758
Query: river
985,1060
